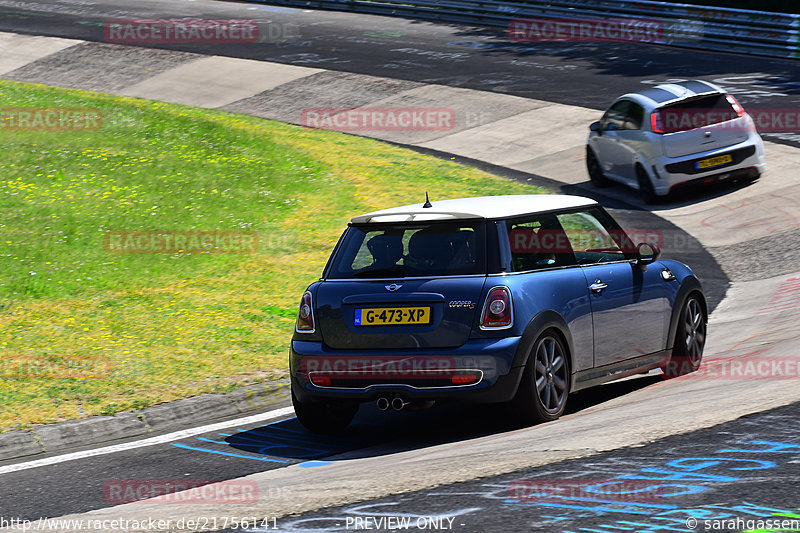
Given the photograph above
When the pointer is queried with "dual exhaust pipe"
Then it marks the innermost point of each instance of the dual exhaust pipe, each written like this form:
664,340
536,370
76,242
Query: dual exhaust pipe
397,403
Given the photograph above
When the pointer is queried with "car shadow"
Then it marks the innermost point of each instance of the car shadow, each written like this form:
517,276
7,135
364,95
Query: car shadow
375,433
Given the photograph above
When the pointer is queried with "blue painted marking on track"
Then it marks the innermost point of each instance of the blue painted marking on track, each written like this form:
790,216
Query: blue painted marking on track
616,502
212,441
227,453
776,447
586,508
276,9
311,464
266,437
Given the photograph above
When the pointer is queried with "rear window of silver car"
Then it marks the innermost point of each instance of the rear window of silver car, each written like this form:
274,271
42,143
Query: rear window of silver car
695,113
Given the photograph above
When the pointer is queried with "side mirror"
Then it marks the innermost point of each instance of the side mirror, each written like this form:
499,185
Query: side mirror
647,253
596,127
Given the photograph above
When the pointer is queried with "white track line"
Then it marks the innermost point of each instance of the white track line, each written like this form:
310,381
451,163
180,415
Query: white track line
161,439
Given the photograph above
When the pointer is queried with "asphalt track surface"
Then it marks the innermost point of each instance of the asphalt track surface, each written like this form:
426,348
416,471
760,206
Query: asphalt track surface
85,484
586,75
583,74
746,470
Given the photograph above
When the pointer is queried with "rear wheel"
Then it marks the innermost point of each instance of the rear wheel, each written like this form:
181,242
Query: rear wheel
325,416
542,394
596,175
690,339
646,190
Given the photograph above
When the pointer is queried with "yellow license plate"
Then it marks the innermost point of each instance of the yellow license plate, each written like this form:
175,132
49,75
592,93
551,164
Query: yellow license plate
714,161
390,316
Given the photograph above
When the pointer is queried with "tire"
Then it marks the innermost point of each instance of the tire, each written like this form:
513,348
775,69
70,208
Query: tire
690,339
646,190
596,175
544,389
324,417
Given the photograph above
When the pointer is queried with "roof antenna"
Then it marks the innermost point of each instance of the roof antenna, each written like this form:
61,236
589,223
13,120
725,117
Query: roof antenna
427,203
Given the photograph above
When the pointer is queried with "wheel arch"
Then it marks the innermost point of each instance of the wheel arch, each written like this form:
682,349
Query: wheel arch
689,286
543,321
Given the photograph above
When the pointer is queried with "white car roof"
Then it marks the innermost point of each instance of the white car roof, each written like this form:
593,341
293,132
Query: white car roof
491,207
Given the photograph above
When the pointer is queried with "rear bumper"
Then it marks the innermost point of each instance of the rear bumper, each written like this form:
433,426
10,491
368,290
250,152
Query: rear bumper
318,372
748,161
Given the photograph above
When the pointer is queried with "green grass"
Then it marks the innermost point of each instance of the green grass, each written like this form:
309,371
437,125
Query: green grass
84,331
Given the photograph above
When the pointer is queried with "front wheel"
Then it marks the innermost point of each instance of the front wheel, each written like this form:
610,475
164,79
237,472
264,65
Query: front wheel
690,339
324,416
595,171
542,394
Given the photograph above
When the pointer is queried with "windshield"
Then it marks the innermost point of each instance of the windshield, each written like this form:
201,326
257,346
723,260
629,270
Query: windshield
413,249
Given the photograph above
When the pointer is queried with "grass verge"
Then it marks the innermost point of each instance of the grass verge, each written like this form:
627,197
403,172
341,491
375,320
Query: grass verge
85,330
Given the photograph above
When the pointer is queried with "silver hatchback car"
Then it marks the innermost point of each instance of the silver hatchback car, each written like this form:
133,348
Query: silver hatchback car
669,135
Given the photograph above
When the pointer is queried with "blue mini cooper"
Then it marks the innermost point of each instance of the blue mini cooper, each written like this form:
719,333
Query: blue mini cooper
506,299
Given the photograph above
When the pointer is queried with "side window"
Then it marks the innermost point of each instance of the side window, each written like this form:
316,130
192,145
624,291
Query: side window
594,237
634,116
537,243
615,115
624,115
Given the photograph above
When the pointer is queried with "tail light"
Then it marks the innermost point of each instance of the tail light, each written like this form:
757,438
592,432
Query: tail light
656,122
465,379
497,311
740,112
305,315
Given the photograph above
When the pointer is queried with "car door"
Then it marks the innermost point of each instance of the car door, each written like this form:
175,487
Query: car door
621,133
630,139
606,143
628,305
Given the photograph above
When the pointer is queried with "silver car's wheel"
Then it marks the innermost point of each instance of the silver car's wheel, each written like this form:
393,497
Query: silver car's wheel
595,170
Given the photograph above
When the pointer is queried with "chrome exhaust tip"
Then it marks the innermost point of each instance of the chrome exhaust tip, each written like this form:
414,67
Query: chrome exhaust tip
398,404
382,403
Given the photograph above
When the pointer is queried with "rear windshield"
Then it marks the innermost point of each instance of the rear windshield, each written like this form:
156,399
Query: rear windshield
695,113
407,250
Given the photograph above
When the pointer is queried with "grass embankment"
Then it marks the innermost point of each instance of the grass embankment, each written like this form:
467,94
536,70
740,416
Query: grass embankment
86,331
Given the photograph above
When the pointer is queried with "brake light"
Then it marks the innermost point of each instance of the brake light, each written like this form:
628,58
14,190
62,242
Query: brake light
736,107
497,311
464,379
321,381
655,122
305,315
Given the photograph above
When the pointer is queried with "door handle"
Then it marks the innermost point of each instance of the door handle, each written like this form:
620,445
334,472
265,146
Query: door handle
597,286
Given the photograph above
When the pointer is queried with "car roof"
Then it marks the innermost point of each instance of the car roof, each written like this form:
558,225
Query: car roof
490,207
672,92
